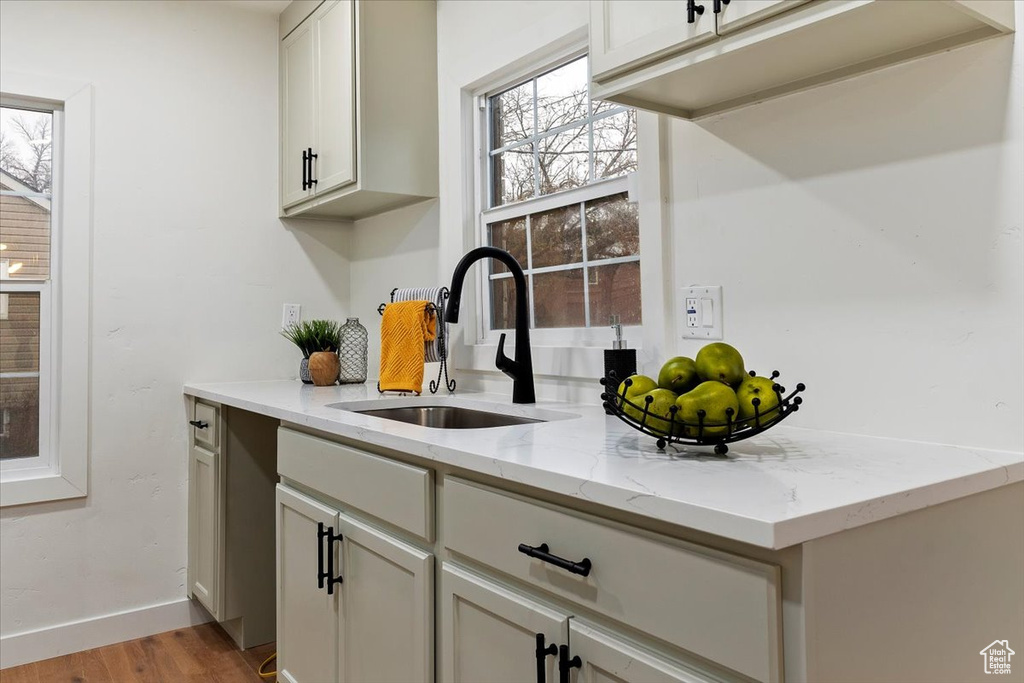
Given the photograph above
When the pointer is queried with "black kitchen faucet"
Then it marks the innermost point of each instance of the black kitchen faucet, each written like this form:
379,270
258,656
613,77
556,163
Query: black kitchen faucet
520,369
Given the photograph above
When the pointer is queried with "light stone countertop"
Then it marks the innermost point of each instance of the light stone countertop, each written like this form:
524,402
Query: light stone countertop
778,489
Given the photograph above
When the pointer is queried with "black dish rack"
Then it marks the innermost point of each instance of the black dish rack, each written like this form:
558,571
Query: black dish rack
678,430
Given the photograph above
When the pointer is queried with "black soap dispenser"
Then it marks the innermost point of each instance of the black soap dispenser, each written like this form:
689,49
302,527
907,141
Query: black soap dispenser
618,359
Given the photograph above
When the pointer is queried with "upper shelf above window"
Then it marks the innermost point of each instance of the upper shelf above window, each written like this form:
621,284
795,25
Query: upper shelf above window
670,57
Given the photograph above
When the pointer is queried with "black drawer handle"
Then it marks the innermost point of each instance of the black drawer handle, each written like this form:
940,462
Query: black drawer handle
199,424
541,553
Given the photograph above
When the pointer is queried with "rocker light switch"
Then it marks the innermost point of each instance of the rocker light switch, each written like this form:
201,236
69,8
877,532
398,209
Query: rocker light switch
703,311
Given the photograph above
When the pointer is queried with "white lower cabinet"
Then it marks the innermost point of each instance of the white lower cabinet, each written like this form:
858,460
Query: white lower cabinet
604,658
354,602
206,523
493,635
307,615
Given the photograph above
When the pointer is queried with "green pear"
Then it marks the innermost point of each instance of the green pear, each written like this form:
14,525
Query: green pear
768,409
715,399
679,375
659,411
638,385
719,362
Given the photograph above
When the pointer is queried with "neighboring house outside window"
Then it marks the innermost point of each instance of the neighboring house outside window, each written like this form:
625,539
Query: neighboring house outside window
26,172
557,200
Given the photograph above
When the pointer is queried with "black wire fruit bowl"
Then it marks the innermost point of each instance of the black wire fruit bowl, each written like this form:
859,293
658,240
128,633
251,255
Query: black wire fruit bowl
674,430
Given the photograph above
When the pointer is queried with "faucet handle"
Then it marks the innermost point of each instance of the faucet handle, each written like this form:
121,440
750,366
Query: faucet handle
503,362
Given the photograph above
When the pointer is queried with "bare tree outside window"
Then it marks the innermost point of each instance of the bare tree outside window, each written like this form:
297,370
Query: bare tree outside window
546,136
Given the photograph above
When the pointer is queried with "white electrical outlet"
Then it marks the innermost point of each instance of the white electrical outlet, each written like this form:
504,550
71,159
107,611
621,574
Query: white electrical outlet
702,312
291,315
692,314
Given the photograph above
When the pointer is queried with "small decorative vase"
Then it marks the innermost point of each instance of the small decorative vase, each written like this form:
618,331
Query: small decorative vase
304,371
352,343
323,368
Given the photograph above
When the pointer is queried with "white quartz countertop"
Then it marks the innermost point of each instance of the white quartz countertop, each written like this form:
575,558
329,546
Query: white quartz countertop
778,489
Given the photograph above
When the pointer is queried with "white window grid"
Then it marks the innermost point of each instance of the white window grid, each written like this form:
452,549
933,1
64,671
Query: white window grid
595,189
43,461
536,137
578,198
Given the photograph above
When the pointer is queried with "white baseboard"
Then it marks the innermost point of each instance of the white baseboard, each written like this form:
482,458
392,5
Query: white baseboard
53,641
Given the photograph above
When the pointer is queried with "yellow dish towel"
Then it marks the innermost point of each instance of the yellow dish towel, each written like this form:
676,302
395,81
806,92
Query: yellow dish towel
404,329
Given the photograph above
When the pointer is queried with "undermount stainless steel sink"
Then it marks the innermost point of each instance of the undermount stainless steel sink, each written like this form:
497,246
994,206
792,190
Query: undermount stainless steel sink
448,417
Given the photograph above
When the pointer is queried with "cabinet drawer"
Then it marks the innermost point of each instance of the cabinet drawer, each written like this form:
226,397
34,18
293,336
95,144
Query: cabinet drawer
394,492
206,436
717,605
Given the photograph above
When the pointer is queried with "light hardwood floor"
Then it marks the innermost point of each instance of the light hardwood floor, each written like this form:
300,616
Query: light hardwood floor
201,653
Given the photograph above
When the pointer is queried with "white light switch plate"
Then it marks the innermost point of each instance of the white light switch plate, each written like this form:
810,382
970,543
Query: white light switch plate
702,311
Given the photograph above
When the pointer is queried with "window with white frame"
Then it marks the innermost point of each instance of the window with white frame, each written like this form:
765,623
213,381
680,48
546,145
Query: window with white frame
557,166
27,162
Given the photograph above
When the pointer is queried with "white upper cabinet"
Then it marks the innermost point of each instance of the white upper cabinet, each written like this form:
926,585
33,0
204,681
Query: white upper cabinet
358,107
625,34
335,163
669,57
298,105
732,15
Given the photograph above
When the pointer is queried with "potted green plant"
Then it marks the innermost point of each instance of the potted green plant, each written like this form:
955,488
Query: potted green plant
318,341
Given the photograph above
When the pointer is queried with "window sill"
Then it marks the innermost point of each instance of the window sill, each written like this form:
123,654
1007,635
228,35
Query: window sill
38,489
585,362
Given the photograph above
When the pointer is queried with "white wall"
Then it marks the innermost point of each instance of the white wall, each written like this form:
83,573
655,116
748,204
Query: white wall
394,249
867,234
190,268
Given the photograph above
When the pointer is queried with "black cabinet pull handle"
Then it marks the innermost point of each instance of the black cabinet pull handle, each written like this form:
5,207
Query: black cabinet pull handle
326,577
692,10
565,664
312,180
199,424
718,4
542,655
541,553
305,170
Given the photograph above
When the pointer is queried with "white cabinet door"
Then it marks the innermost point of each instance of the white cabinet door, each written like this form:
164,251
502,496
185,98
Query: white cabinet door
205,528
333,26
740,13
297,111
387,608
605,658
490,634
625,34
307,615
